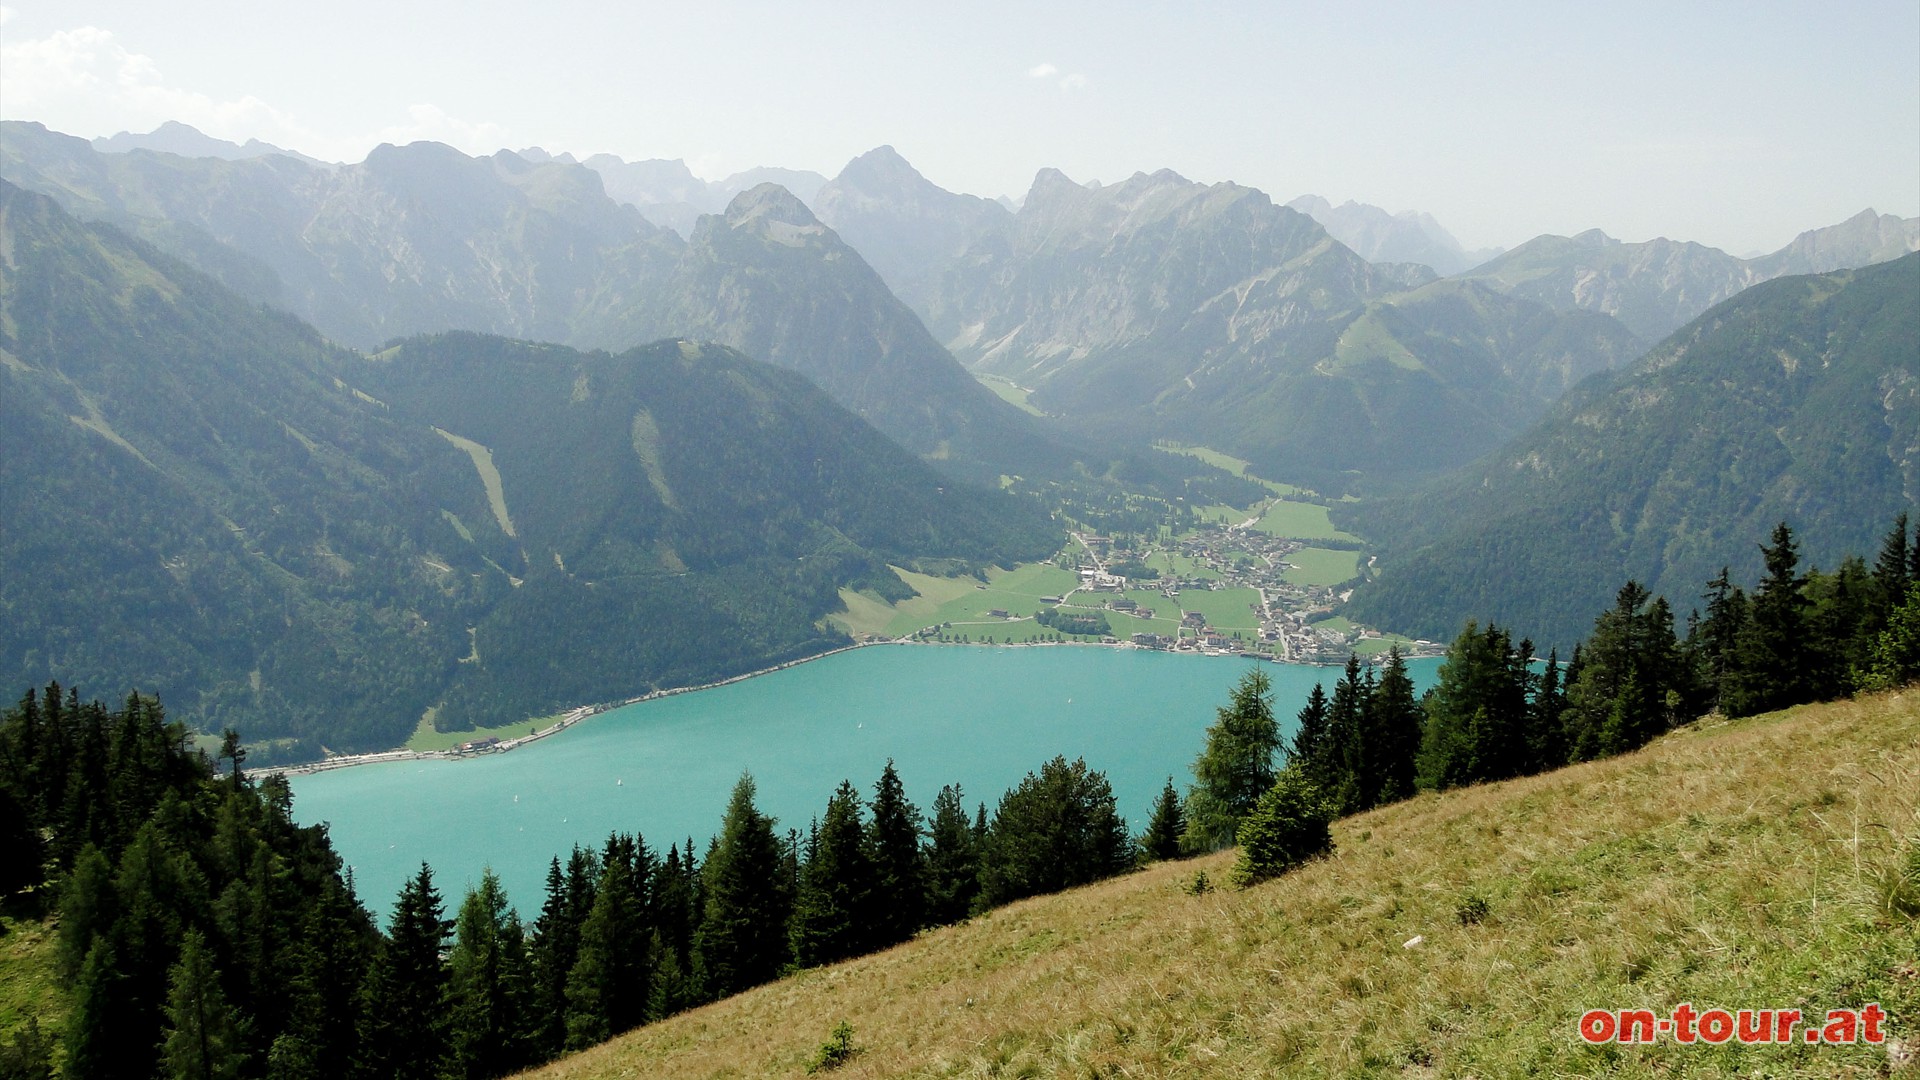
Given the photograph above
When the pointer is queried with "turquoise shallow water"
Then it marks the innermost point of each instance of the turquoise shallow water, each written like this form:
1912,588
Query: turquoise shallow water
982,717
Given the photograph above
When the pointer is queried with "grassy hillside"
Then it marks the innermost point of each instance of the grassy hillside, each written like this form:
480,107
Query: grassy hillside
1737,864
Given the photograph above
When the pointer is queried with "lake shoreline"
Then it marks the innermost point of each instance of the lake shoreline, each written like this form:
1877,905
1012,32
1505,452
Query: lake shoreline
584,712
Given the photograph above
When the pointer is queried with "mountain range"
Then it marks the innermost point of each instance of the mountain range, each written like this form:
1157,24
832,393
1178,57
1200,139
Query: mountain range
1378,236
1658,286
1797,400
207,500
422,239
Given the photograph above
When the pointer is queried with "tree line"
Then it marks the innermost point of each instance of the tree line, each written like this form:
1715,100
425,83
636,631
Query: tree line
1498,711
202,933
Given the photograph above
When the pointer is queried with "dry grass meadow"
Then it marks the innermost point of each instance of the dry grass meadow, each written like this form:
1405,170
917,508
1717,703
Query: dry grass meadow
1739,864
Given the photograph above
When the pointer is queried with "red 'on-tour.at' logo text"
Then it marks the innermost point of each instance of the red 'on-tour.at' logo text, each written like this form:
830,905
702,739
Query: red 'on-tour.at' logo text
1749,1026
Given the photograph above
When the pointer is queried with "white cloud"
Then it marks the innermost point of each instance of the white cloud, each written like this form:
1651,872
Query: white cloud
1075,81
6,14
84,82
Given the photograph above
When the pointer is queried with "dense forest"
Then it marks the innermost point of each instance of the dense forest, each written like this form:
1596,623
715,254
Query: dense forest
201,933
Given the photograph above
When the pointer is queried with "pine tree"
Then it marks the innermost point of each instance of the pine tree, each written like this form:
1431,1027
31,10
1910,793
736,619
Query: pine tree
1714,643
610,985
1477,712
1392,732
1164,828
1633,682
203,1032
743,934
1892,572
403,1023
834,911
1339,750
899,867
1053,831
1310,737
97,1044
1546,726
1774,669
487,986
953,859
1236,767
556,946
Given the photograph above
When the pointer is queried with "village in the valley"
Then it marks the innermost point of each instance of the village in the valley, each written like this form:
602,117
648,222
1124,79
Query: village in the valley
1261,582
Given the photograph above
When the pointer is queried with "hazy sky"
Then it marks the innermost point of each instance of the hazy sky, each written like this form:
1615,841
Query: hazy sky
1736,124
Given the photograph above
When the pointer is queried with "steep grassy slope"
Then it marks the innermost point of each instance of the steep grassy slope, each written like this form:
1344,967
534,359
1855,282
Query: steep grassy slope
1728,864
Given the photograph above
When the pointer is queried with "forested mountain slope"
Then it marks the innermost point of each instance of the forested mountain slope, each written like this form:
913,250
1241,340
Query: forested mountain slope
203,498
1798,400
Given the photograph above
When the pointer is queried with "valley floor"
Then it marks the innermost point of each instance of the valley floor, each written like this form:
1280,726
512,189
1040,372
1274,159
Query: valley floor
1751,864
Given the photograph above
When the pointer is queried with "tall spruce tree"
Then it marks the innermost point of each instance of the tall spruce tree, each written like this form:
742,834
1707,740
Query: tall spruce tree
489,987
202,1039
899,866
1391,733
743,934
1634,681
1477,712
1338,753
834,911
1308,749
1776,667
1236,767
610,984
1892,573
403,1023
953,859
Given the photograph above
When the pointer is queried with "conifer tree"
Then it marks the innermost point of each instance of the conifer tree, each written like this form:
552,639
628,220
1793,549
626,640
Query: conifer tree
676,906
556,946
1714,643
1774,670
403,1023
610,984
1165,827
1391,734
1339,750
1053,831
97,1044
1310,737
899,866
953,859
202,1039
834,912
1892,573
487,986
1634,682
1546,725
743,933
1477,712
1288,826
1236,767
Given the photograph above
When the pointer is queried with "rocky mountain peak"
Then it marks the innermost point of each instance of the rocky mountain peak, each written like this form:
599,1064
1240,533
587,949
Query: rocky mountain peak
769,203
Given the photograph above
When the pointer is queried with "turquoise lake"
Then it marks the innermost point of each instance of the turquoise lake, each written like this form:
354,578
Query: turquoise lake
979,716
